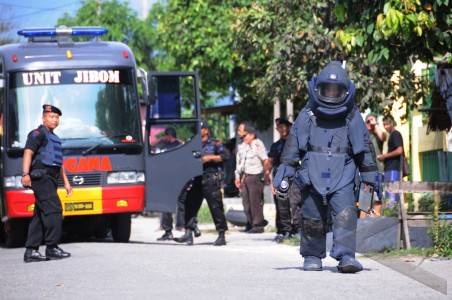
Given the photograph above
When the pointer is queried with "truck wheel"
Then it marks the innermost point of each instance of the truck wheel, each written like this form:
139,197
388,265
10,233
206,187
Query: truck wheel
15,232
120,227
101,231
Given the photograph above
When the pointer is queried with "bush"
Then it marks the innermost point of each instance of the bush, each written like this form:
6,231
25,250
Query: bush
442,239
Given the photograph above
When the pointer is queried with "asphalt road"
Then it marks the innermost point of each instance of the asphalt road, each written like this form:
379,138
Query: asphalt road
249,267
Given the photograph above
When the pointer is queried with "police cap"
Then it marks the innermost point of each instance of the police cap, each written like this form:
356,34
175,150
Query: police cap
283,121
50,108
205,125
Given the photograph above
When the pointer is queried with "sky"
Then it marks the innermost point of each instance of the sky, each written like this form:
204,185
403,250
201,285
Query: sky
45,13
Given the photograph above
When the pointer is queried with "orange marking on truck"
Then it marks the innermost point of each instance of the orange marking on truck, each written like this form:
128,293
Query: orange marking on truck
87,164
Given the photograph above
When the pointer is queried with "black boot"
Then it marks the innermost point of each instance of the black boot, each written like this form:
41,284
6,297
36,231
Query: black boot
55,252
32,255
167,236
221,240
196,231
186,238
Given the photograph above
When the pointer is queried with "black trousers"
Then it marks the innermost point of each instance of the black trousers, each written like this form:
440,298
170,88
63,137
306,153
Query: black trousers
209,187
166,220
46,225
288,211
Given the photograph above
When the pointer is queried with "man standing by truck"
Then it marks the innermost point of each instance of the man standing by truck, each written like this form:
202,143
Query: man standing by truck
41,167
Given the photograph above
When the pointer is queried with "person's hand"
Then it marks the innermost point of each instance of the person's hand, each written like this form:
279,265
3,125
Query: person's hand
68,188
237,183
267,180
381,157
273,190
26,181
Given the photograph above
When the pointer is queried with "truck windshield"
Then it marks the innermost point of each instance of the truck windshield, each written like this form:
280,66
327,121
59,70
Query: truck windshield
98,106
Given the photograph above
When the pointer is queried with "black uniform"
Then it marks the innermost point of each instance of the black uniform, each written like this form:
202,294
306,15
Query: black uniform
44,172
208,186
287,215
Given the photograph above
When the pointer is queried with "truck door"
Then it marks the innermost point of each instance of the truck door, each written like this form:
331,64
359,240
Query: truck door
172,138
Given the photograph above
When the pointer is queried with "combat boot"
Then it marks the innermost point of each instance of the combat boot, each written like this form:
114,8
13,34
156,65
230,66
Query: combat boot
349,264
312,263
196,231
33,255
167,236
186,238
221,240
55,252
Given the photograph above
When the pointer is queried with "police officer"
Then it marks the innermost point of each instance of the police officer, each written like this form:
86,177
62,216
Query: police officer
252,172
42,165
286,211
329,141
207,186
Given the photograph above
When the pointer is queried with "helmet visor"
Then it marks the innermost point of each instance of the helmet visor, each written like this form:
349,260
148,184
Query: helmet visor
331,93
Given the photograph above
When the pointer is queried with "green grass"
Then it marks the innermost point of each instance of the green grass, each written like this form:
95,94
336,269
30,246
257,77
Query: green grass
204,216
415,251
293,241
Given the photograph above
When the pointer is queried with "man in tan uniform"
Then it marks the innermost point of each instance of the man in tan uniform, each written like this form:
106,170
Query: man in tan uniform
252,172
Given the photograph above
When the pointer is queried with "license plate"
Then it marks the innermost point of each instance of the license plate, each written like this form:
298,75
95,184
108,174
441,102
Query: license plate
78,206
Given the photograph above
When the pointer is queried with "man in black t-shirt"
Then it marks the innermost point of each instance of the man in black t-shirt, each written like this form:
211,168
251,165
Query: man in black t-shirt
393,157
287,220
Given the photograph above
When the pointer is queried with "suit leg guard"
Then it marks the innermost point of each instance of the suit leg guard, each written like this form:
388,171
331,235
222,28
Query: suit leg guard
344,233
313,238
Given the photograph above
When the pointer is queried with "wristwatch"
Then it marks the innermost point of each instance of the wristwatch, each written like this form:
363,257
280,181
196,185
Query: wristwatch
25,174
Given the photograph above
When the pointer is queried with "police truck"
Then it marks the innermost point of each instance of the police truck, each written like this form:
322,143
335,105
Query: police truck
113,126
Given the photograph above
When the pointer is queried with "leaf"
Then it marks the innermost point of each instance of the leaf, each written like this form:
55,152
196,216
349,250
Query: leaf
359,40
385,53
340,13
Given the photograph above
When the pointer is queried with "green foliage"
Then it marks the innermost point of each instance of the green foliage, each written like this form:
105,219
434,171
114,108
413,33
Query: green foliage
204,216
426,203
197,36
122,23
442,239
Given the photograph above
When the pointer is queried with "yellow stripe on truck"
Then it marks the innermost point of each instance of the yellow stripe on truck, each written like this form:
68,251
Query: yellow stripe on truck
83,201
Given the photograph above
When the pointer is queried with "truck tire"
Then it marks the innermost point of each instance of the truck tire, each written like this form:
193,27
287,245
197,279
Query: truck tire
101,231
120,227
236,217
15,232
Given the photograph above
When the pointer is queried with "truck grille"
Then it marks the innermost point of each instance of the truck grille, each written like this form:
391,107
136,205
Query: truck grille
82,179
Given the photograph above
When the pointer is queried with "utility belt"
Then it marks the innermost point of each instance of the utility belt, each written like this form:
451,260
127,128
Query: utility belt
41,171
213,178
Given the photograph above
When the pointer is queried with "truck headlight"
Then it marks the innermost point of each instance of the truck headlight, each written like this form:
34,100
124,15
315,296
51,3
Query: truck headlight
125,177
13,182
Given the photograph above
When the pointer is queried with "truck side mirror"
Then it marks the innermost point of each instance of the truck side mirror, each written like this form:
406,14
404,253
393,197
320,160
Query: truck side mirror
143,77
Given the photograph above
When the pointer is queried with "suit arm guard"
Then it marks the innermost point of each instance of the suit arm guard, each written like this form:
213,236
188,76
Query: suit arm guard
284,172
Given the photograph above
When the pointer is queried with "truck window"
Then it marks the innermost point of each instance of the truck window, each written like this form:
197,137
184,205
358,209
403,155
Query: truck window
174,112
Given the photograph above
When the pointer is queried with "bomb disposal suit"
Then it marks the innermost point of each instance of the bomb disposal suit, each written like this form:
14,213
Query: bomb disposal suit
326,146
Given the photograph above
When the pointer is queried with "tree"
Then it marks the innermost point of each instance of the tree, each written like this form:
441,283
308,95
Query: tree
6,28
197,35
122,23
289,41
391,35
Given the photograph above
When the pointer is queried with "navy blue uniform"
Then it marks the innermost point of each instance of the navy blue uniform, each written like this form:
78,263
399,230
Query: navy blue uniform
45,169
287,213
327,145
208,186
